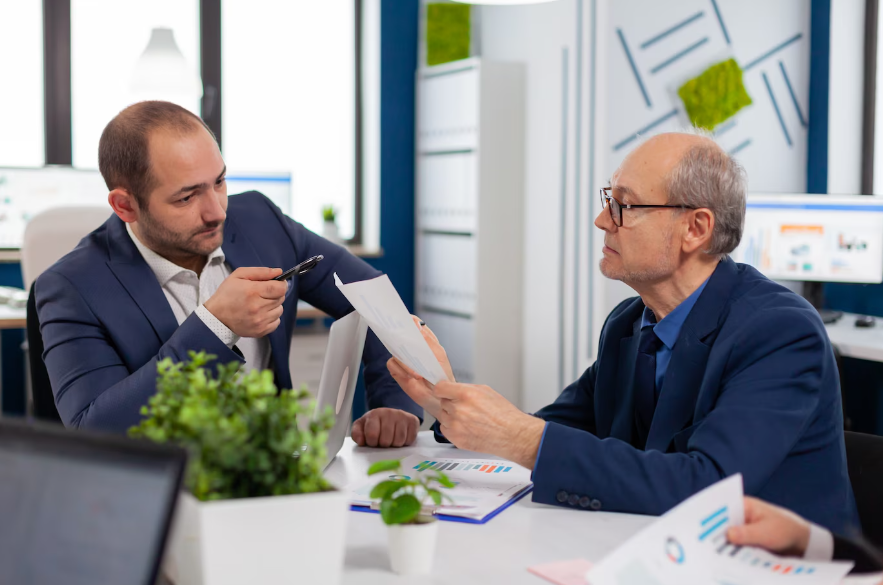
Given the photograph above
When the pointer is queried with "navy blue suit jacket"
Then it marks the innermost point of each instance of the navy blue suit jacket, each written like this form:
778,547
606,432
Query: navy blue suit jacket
105,320
752,388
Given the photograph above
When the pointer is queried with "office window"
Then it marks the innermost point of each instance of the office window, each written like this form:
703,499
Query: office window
289,100
21,80
107,38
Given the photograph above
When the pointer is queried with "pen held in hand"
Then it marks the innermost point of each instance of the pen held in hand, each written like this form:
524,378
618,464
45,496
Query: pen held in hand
301,268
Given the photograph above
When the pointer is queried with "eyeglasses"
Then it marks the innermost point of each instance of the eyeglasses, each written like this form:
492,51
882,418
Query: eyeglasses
616,207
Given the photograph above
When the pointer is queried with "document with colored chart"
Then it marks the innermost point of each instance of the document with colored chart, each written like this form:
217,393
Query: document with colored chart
379,304
483,488
688,545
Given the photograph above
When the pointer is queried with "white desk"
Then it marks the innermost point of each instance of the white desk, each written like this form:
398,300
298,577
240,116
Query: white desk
12,317
865,343
500,551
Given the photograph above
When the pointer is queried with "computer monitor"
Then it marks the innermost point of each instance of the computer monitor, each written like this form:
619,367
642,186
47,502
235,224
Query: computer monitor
276,186
80,508
25,192
822,238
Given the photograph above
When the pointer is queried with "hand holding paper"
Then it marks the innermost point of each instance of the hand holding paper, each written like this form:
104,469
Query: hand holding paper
688,545
377,301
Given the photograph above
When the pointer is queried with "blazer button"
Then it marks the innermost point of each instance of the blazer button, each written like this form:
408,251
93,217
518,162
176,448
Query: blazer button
561,496
595,504
573,499
584,502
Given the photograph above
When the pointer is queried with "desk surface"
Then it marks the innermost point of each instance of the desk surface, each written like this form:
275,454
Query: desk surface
500,551
864,343
12,318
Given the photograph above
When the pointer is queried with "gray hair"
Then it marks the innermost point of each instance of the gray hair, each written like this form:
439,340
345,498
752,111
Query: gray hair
707,177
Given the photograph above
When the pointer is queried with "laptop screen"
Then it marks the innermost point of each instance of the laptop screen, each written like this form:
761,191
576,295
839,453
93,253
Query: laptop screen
79,509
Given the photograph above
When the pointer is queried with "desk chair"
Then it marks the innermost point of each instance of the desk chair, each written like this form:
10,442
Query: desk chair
49,236
864,458
41,389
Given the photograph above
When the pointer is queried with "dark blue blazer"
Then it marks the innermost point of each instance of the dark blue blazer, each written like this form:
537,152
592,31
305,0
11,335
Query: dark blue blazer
752,388
105,320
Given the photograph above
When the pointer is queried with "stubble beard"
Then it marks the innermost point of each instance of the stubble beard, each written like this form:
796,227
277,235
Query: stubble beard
170,244
660,271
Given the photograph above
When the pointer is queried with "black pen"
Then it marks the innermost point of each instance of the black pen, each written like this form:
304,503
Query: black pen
301,268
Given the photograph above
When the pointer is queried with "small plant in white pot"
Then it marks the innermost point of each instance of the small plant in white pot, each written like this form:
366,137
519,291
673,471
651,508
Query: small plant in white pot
260,510
329,224
412,533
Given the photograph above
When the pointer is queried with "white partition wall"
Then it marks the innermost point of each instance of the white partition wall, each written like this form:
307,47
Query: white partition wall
470,150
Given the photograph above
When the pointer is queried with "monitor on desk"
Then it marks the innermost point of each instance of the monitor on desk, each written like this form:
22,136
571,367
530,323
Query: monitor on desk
25,192
83,508
821,238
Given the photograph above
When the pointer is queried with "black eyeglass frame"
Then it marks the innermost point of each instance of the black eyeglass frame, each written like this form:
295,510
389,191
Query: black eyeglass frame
608,201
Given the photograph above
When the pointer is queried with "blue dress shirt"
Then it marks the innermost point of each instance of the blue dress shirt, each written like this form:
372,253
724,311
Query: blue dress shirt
668,331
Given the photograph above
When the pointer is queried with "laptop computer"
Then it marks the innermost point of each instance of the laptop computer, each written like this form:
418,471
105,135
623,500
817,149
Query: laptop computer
340,372
81,508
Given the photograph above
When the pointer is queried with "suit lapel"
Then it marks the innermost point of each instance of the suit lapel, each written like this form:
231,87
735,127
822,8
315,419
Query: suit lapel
132,271
623,427
680,388
239,252
683,378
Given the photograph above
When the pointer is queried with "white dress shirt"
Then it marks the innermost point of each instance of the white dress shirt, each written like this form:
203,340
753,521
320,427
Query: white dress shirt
187,292
820,546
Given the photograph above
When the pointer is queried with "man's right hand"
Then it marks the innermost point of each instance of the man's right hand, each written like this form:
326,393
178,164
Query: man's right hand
772,528
249,302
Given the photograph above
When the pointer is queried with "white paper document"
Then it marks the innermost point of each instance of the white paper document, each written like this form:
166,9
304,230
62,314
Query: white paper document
688,546
379,304
483,487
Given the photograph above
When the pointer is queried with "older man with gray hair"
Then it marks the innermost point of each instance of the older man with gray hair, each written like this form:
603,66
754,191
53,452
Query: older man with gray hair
713,370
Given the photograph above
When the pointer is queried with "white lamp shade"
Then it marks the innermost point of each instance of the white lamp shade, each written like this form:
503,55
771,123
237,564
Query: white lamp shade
162,72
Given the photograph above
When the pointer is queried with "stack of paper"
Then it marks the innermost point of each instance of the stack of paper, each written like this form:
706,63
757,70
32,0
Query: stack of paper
483,487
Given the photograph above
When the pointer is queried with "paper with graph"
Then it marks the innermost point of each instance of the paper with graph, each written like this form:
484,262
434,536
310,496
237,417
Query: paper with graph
379,304
483,486
688,545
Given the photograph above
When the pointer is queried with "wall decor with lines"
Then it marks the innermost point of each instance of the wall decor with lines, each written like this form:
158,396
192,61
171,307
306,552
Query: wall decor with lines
655,47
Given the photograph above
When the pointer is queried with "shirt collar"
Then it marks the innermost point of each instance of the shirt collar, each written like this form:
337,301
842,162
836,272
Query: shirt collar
669,328
164,269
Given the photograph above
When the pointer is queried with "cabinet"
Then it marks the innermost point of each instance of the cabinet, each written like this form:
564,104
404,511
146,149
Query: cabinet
469,224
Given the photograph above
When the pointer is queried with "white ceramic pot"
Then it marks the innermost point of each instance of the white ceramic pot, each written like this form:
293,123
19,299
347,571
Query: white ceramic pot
330,232
412,547
280,539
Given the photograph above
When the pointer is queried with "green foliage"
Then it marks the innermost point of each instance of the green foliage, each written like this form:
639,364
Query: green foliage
328,213
244,440
447,32
399,501
715,95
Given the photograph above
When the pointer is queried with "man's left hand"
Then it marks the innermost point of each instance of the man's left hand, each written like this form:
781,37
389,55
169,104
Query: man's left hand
386,427
476,418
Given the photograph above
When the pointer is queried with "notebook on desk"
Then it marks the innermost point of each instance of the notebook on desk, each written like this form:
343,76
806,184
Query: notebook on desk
484,488
79,508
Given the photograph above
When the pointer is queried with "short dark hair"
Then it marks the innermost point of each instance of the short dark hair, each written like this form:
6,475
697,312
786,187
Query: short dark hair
123,153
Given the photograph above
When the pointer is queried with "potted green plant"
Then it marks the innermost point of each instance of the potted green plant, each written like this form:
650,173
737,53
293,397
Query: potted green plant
412,531
260,510
329,224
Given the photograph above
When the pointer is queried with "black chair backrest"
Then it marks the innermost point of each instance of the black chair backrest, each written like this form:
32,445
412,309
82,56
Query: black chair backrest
44,400
864,457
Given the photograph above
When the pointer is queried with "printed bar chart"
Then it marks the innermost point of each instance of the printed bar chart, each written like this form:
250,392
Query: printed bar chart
461,466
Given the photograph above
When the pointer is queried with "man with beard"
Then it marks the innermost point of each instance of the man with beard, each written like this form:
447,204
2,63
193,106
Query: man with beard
181,267
713,370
